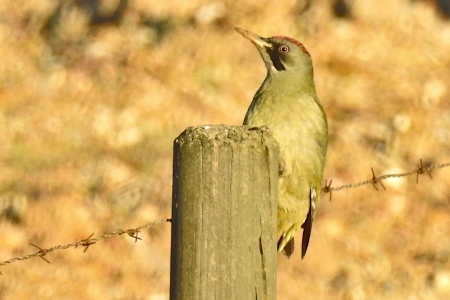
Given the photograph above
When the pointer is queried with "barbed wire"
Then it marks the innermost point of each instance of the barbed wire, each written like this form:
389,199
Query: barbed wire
421,169
134,232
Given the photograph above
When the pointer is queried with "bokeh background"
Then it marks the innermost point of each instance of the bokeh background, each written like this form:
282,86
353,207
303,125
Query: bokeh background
93,93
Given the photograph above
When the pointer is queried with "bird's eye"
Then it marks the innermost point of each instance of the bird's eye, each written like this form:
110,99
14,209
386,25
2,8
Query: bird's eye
283,49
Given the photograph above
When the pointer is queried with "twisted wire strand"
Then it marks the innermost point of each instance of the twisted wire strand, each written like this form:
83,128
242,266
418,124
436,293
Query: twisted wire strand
85,242
134,232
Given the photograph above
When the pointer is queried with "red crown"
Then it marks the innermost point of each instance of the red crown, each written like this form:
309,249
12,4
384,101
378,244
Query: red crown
294,41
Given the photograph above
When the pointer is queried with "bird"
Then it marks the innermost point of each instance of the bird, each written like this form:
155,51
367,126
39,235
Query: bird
287,104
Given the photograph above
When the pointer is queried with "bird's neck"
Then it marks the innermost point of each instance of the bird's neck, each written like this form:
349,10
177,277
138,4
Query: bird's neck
298,81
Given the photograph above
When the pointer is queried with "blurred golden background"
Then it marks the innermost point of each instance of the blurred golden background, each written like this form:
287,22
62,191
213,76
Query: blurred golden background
93,93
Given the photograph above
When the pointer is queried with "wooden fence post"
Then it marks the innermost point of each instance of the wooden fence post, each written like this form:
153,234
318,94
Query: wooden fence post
224,214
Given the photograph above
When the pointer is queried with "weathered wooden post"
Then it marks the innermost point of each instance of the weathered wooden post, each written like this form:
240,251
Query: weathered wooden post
224,214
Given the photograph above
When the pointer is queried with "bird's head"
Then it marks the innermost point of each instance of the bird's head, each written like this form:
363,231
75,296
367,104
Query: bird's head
280,53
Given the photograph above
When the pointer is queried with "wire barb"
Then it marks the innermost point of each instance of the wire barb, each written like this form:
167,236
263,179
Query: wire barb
42,252
376,180
134,234
86,242
327,188
421,170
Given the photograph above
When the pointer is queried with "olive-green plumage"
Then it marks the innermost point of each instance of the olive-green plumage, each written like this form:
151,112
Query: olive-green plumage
287,103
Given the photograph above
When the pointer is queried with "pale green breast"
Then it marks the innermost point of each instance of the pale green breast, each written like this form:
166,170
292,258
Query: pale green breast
299,125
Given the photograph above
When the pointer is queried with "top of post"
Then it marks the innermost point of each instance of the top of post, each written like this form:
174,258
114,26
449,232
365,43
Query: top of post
227,134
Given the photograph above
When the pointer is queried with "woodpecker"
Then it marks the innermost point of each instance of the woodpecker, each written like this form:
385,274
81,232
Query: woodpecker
287,103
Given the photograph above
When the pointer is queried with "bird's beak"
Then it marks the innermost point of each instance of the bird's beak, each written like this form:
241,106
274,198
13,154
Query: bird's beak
255,39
